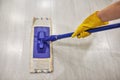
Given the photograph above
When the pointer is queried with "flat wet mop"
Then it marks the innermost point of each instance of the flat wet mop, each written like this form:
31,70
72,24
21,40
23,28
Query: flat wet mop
41,47
41,51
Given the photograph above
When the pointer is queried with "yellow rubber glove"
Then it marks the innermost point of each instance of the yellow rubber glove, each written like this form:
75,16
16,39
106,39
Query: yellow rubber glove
90,22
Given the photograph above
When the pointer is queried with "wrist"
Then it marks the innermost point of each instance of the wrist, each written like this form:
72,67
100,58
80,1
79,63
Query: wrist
101,17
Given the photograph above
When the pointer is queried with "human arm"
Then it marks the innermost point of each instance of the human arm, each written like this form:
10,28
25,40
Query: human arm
97,19
111,12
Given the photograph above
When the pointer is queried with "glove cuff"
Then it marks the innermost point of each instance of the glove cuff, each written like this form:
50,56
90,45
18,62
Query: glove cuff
99,20
93,20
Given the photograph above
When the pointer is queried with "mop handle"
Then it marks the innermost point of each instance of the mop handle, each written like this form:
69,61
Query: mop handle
102,28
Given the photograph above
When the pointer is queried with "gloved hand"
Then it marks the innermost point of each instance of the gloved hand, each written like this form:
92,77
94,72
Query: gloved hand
90,22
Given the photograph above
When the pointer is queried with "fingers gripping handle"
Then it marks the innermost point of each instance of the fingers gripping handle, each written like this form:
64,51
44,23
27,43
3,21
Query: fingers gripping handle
102,28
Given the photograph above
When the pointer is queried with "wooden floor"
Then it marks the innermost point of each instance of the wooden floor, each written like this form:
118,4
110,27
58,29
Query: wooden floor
94,58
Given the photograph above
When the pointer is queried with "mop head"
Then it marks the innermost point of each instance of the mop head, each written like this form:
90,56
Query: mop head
41,50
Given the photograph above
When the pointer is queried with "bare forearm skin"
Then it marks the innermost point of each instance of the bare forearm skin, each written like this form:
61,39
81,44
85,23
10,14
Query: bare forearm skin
111,12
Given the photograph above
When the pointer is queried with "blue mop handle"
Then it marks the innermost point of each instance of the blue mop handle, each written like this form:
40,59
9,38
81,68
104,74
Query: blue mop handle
102,28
